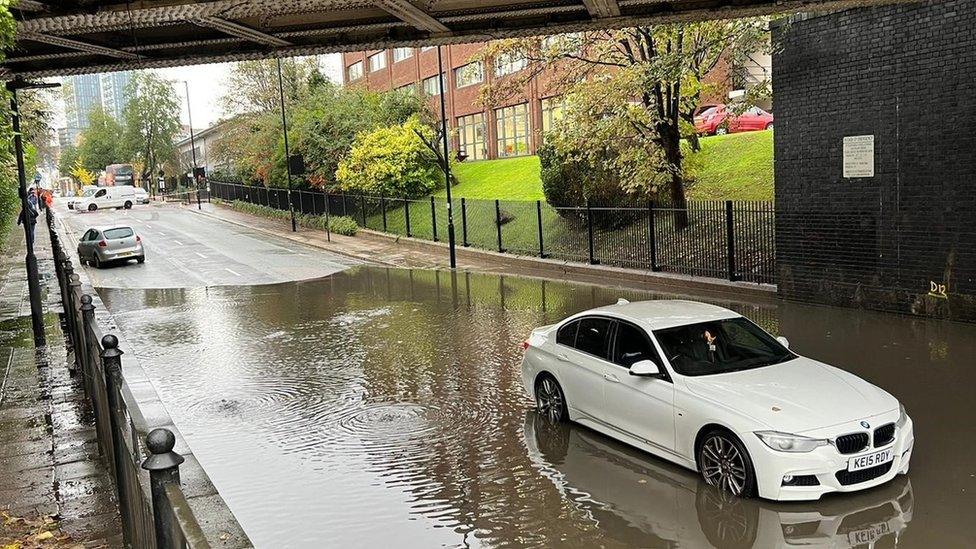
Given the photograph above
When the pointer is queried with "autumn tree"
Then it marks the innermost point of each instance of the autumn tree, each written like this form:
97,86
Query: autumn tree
151,122
252,86
632,92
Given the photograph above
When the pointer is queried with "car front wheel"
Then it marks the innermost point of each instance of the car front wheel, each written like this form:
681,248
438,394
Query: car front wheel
92,207
127,205
724,463
549,399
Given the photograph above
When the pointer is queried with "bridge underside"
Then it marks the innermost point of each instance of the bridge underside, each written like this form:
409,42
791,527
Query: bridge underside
81,36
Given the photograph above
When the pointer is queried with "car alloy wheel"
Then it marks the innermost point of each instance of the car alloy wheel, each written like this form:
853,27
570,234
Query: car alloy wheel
721,131
549,399
92,207
127,205
724,464
97,263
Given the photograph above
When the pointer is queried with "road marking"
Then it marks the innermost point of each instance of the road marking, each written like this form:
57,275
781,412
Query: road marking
232,272
178,243
201,255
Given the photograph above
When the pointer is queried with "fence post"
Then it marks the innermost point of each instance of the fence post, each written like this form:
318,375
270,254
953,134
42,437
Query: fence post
589,230
383,207
406,215
464,223
345,212
87,319
653,237
163,465
328,222
433,219
538,215
112,365
498,224
362,208
730,238
74,304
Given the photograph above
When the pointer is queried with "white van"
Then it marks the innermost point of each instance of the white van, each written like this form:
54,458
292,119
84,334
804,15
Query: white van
107,197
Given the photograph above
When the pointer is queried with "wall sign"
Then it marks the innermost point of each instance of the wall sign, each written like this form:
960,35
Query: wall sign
859,156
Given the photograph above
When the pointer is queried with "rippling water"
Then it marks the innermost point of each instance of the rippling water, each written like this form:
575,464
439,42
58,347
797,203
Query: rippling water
383,407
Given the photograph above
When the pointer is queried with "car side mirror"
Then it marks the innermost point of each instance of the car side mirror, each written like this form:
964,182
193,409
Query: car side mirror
645,368
783,341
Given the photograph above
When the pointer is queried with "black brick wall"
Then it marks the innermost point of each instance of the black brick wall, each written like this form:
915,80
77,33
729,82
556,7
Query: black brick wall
907,75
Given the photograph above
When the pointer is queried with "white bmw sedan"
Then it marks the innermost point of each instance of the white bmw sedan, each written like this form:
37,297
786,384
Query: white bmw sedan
703,387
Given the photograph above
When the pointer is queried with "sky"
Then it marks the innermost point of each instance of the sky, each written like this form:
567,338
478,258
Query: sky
206,84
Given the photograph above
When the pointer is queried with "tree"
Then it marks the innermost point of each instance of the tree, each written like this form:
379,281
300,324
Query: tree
152,122
252,86
391,161
84,176
633,92
101,142
69,159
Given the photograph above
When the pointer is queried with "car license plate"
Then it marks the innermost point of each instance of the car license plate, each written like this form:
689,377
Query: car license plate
866,461
125,254
869,535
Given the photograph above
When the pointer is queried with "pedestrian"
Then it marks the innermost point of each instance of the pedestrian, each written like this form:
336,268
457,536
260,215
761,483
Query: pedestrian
48,197
30,218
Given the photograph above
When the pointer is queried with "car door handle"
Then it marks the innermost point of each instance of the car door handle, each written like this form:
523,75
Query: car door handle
562,357
611,378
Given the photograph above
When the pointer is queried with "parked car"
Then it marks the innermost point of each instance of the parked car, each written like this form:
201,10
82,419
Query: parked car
719,120
142,196
86,192
705,388
107,197
99,246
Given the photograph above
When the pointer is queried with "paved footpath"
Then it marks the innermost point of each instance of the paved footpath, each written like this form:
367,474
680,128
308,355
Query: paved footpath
51,476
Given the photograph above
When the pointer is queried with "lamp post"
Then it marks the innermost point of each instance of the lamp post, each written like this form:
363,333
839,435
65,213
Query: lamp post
447,160
33,280
193,148
284,129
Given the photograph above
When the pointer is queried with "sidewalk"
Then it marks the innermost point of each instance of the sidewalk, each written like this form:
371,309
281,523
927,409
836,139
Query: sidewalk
51,475
398,251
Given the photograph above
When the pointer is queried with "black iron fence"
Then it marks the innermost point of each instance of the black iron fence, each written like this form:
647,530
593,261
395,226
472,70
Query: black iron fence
153,507
734,240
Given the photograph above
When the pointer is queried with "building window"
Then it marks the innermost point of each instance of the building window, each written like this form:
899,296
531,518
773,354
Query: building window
431,86
507,63
399,54
471,136
377,61
553,109
427,48
408,88
563,44
354,71
512,126
470,74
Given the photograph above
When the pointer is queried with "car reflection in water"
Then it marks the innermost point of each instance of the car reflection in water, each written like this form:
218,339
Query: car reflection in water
643,501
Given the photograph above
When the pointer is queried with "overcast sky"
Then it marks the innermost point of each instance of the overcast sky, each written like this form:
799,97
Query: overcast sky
207,83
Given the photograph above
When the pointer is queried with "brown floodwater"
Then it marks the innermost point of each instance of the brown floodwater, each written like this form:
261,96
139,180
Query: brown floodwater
383,407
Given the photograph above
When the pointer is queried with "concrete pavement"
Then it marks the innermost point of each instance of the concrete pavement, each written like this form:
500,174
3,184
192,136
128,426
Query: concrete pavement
188,250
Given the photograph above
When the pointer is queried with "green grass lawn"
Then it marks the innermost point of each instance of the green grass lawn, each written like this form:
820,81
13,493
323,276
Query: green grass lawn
506,178
737,166
729,167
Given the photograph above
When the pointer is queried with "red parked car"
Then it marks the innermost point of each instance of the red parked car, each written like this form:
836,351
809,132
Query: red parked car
718,120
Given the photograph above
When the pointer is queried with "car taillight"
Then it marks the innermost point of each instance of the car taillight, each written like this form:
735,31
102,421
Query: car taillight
138,238
524,345
102,244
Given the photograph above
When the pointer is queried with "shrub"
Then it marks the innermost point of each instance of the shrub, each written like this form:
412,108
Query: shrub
569,182
391,161
343,225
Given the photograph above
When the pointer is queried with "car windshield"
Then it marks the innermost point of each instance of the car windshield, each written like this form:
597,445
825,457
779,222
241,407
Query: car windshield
120,232
720,346
707,112
89,192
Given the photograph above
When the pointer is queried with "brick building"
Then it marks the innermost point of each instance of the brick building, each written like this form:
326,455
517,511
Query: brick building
888,226
512,128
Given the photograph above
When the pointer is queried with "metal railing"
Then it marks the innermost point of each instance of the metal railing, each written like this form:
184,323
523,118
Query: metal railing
153,507
734,240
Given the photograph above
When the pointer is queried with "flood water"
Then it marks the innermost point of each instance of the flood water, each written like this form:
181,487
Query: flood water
384,408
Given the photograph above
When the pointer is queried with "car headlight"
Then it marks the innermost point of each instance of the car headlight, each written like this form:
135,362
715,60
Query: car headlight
902,416
786,442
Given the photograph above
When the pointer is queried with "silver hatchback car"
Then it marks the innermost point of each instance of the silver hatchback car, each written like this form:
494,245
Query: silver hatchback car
99,246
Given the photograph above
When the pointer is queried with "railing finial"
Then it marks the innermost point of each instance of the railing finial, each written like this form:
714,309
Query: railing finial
161,442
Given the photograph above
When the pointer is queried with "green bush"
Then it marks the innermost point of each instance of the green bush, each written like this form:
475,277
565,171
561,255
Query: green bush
569,182
391,161
343,225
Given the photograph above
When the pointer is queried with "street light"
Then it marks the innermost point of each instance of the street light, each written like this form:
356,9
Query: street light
193,148
447,160
284,129
33,280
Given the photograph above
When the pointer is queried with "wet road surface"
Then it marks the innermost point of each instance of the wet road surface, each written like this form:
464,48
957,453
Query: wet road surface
383,407
186,249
